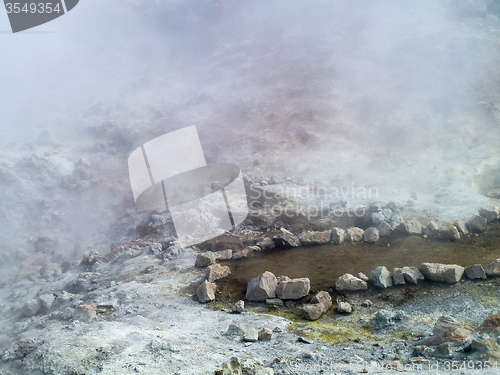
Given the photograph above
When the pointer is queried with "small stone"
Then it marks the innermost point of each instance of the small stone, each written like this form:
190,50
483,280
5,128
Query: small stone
475,272
477,224
266,244
85,313
251,335
315,238
354,234
262,287
205,259
305,340
362,276
450,273
492,269
490,213
381,277
265,334
349,282
274,302
287,239
206,292
216,272
371,235
398,277
384,229
410,227
224,254
344,308
32,307
412,275
238,307
367,303
293,288
337,235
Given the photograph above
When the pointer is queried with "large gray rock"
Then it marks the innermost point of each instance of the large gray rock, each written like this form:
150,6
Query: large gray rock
323,298
287,239
32,307
412,275
315,238
410,227
337,235
490,213
377,218
477,224
206,292
381,277
448,329
350,282
312,311
371,235
226,254
461,225
262,287
205,259
384,229
492,269
216,272
475,272
398,277
293,288
354,234
47,300
450,273
444,230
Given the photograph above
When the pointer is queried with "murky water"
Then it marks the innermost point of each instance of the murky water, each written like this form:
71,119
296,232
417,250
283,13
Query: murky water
324,264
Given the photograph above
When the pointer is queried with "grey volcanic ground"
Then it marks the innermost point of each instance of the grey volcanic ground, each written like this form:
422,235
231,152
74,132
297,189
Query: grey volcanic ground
398,98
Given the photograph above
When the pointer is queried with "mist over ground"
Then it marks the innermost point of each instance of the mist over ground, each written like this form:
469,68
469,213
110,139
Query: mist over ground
398,95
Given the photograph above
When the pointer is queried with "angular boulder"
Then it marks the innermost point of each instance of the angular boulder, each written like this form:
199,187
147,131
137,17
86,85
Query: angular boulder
384,229
412,275
293,288
398,277
205,259
381,277
287,239
266,244
492,269
371,235
448,329
350,283
262,287
477,224
449,273
312,311
354,234
410,227
338,235
315,238
206,292
475,272
216,272
490,213
324,298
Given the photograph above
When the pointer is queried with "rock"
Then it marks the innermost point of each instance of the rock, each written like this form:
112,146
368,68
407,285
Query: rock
216,272
443,350
444,230
344,308
47,300
240,254
377,218
367,303
337,235
206,292
490,325
232,367
265,334
255,367
225,254
384,229
485,350
32,307
312,311
305,340
274,302
323,298
171,252
205,259
235,330
293,289
475,272
362,276
349,282
262,287
354,234
85,313
412,275
266,244
315,238
251,335
448,329
490,213
155,248
398,277
277,330
238,307
381,277
253,249
371,235
477,224
287,239
492,269
461,225
410,227
450,273
385,318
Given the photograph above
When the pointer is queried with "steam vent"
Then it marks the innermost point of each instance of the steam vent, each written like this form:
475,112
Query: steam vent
265,187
